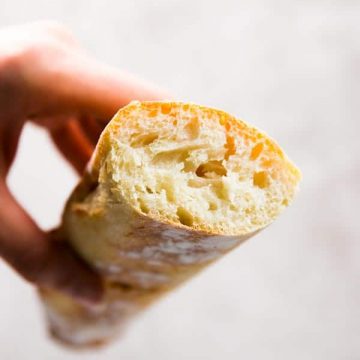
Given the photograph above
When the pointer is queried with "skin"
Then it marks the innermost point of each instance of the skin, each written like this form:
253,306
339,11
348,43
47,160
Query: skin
47,78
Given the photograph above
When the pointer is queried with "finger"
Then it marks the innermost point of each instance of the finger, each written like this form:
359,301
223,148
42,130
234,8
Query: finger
47,263
112,89
90,87
9,138
91,127
73,144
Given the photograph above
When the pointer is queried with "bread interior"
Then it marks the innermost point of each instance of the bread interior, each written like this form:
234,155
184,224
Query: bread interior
197,167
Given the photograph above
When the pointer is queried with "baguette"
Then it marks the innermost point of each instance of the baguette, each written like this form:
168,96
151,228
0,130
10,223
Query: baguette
171,187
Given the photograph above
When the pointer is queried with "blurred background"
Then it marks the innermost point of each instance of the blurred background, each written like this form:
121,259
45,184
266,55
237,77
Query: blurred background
292,68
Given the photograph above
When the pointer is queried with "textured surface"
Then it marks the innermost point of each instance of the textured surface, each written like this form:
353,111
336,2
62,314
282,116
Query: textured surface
291,68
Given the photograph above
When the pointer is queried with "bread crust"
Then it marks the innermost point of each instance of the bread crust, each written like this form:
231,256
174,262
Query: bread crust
140,257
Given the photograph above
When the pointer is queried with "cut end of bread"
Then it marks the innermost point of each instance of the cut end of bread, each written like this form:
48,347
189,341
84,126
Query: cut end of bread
195,167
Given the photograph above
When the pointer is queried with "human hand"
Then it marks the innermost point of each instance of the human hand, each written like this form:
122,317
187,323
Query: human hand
46,77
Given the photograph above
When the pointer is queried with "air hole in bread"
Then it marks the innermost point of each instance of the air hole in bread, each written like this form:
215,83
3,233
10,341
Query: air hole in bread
170,195
256,151
143,207
197,183
230,147
212,169
184,216
220,191
171,156
261,179
143,140
193,128
213,206
166,108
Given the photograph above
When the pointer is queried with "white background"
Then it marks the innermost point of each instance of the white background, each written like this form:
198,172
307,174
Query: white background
291,68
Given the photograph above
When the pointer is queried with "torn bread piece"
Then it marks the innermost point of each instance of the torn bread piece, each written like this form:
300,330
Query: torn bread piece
171,188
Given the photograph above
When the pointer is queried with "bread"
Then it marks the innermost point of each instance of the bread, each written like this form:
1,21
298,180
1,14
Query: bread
171,187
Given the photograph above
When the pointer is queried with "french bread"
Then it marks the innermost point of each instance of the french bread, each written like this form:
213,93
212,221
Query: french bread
171,187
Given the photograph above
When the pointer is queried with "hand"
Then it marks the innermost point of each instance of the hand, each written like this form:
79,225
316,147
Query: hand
47,78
